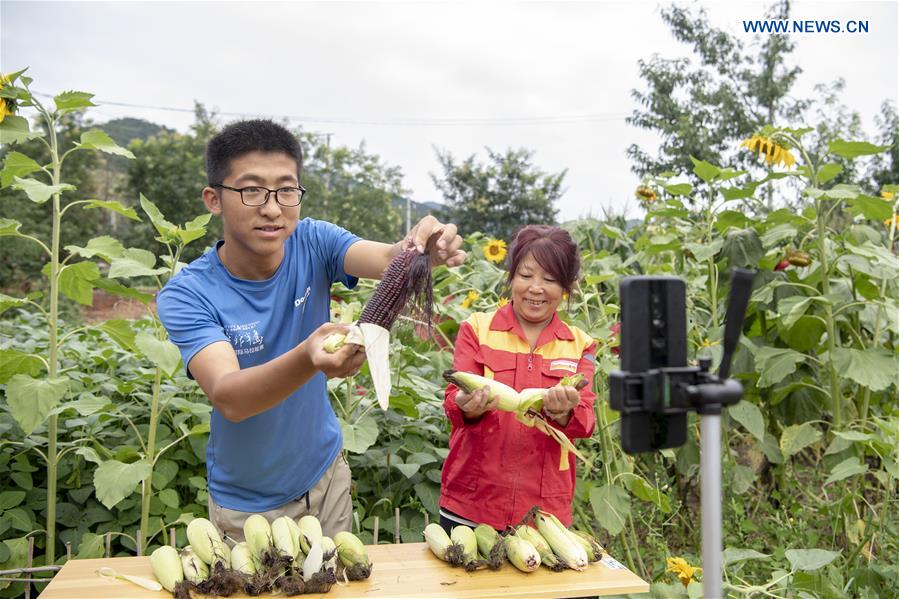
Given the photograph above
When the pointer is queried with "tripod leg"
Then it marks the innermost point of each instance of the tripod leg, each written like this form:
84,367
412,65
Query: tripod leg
710,484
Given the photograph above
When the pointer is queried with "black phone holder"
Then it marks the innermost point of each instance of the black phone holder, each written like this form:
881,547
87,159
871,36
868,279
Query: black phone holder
655,389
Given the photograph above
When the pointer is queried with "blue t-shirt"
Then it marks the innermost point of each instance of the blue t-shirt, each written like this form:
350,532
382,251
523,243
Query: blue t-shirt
274,457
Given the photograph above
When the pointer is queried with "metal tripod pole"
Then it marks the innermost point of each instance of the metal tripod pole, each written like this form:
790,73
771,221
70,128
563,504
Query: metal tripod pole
710,486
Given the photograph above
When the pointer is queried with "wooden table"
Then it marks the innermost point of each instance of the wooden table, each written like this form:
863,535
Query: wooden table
406,570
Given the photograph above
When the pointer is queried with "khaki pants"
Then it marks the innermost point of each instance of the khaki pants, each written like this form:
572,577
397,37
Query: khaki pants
329,501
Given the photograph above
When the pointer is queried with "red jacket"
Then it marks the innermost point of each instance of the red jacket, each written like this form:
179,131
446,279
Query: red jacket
497,468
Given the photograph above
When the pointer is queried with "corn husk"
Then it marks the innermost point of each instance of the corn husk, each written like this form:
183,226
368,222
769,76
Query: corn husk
314,560
438,541
522,554
569,551
195,569
352,555
310,532
167,569
589,543
533,536
242,559
490,546
464,548
286,537
329,554
258,535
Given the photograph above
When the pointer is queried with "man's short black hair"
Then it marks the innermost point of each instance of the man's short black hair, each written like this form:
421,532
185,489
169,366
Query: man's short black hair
243,137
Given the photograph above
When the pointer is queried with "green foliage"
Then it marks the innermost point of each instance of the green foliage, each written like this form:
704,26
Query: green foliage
499,197
701,108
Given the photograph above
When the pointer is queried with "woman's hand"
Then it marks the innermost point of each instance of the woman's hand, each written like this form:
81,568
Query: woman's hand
475,404
559,401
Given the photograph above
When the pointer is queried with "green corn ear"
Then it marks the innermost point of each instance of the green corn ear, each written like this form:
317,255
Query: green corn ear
352,555
593,548
509,399
241,559
464,537
490,546
167,569
206,542
563,545
258,535
437,540
522,554
285,536
195,569
310,532
533,536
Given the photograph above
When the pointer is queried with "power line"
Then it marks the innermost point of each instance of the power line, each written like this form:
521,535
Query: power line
401,122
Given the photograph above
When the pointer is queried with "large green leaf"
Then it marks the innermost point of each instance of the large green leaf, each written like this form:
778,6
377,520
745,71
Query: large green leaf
95,139
115,206
797,437
120,331
115,480
134,262
39,192
76,281
749,415
828,171
9,227
854,149
116,288
408,470
705,170
72,100
732,555
14,362
30,400
17,165
774,364
360,435
872,208
8,301
872,368
845,469
704,251
10,499
163,227
611,507
743,248
162,352
645,491
777,234
90,546
14,129
429,495
794,307
104,246
809,559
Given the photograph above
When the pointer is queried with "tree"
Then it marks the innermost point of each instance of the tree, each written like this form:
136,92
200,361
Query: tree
169,170
500,197
885,167
351,188
704,110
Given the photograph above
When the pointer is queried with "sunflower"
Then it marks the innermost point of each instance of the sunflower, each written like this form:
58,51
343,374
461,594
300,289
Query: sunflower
773,152
502,302
684,571
894,220
495,250
7,106
646,194
471,297
887,195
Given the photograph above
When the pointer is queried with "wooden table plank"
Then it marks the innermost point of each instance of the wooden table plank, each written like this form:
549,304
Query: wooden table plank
399,571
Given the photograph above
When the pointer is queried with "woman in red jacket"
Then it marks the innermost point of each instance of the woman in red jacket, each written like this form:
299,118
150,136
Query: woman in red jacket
497,468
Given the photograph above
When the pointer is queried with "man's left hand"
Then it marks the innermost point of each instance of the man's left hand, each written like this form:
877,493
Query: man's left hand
441,241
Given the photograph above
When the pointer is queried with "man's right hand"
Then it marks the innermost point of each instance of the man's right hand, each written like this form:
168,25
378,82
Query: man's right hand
345,362
477,403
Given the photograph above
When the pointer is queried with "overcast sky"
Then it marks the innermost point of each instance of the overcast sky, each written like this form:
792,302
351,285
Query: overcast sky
406,77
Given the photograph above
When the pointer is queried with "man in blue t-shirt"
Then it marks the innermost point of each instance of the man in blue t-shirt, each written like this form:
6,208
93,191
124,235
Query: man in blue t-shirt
250,316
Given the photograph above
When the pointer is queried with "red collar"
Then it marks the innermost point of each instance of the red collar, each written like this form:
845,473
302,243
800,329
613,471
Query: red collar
505,320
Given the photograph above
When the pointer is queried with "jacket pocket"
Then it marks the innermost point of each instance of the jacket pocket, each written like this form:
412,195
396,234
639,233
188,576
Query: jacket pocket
555,482
501,364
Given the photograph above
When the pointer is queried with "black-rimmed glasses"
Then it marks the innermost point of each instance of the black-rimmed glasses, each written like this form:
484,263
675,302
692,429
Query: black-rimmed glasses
258,196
